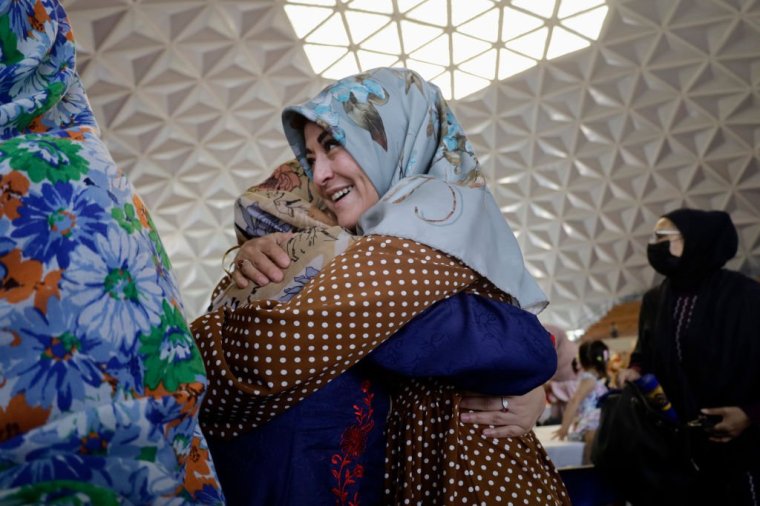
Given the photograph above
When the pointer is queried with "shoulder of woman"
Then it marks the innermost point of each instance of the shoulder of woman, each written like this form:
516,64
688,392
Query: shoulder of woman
405,249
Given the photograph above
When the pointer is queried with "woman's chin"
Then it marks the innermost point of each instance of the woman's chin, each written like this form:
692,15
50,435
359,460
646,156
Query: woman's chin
347,222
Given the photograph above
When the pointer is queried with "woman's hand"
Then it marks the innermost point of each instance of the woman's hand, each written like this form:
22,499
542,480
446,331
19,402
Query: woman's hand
735,421
624,375
561,433
520,417
261,260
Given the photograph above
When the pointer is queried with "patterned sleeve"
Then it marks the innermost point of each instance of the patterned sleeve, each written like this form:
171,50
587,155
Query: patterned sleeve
264,357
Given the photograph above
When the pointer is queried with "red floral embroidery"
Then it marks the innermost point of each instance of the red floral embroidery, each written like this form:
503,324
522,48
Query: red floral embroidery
353,441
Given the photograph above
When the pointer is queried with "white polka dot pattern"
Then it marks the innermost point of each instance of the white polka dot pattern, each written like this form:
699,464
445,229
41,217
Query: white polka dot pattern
433,459
264,357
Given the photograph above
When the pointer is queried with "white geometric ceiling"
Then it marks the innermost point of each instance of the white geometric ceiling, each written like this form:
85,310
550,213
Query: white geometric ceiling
460,46
583,152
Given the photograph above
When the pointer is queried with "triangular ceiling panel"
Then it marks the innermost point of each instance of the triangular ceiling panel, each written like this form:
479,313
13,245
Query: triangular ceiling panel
583,153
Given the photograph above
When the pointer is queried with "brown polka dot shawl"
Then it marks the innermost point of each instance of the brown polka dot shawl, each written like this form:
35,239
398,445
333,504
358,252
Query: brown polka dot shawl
266,350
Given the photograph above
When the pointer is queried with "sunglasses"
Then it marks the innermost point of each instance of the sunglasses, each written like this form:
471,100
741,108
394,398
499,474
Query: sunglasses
661,235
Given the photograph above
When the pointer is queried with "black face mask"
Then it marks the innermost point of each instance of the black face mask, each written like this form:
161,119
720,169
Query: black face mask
662,259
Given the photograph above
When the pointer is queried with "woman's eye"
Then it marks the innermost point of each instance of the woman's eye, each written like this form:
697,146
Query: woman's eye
310,162
328,144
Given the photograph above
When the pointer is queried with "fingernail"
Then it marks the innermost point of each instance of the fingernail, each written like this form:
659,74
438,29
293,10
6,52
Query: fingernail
466,418
488,432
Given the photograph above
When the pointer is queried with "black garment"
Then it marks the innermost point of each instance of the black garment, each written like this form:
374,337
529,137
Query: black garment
699,333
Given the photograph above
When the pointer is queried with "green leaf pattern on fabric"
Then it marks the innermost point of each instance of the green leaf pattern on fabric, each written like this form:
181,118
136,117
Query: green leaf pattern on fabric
54,159
171,355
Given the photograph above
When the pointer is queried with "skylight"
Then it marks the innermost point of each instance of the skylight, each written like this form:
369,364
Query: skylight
460,45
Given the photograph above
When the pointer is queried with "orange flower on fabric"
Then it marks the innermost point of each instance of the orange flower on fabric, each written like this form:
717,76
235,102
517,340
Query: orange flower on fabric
19,417
47,288
282,179
197,471
13,186
142,212
21,278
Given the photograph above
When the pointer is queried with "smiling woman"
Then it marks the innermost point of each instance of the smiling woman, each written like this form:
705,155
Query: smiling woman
403,309
345,188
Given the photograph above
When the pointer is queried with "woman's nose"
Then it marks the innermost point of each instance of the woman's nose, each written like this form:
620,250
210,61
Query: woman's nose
322,172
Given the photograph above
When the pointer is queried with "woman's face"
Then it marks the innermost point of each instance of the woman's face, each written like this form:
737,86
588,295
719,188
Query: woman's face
345,188
666,230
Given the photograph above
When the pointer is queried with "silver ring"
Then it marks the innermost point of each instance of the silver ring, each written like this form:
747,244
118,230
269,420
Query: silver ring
504,404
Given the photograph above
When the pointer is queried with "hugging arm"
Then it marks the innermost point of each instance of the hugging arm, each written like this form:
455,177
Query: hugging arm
476,343
481,345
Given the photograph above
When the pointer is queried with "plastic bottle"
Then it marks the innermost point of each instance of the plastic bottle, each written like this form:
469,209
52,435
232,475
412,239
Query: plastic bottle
653,391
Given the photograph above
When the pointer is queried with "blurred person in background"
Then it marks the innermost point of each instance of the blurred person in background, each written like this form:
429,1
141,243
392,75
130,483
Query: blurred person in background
561,387
581,417
699,334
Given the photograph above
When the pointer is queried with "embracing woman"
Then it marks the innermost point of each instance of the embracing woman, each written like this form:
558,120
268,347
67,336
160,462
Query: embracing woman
417,294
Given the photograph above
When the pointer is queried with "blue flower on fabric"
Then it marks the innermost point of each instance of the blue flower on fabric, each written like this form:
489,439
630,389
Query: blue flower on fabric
362,90
126,369
454,134
6,244
298,283
93,451
59,62
328,119
114,287
72,109
209,495
20,13
113,189
10,111
162,413
28,77
56,220
61,465
53,364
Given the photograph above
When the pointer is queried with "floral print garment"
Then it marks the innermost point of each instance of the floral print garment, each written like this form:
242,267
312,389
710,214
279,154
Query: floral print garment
100,380
405,137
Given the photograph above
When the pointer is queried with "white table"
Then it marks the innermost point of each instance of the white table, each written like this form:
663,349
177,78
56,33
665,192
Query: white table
565,453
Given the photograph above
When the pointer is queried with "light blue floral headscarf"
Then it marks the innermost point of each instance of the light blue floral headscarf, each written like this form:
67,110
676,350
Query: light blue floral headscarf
403,134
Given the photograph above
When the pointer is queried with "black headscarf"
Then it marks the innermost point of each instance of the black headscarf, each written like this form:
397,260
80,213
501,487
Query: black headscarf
710,240
699,331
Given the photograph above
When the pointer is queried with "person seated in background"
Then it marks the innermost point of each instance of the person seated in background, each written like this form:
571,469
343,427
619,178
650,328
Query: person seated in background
581,417
561,387
699,334
100,380
381,300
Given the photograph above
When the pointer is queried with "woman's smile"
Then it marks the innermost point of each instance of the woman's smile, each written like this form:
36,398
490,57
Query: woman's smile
339,180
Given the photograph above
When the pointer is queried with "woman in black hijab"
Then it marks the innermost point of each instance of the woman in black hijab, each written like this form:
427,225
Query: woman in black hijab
699,334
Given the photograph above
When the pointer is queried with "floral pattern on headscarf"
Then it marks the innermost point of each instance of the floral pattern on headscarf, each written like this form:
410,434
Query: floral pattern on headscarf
406,138
100,379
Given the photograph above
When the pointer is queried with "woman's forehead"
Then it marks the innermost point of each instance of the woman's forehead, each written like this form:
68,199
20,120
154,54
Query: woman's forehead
665,224
313,133
312,128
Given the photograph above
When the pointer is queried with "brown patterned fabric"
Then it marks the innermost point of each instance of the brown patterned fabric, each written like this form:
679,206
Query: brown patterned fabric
267,355
433,459
265,352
